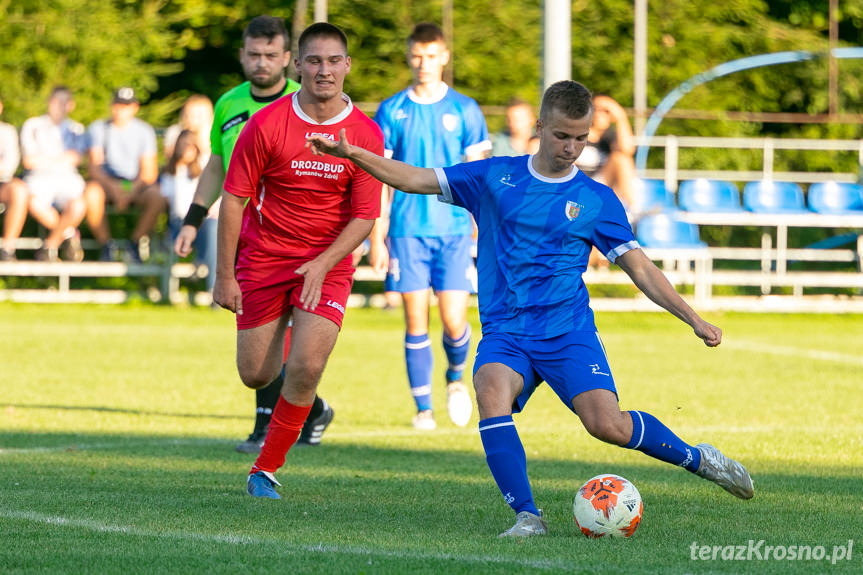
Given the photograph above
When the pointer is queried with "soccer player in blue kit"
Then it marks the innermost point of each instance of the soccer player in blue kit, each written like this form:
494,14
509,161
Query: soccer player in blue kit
538,218
428,243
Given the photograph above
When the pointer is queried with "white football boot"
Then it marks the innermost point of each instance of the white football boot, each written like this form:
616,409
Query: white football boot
728,474
526,525
424,420
458,403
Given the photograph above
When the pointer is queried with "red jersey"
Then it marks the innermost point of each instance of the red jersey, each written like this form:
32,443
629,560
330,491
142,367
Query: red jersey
299,203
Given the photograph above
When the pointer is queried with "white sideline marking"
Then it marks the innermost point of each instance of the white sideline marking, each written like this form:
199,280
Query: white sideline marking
231,539
760,347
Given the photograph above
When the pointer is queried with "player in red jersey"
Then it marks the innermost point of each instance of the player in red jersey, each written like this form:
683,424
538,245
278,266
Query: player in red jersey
293,244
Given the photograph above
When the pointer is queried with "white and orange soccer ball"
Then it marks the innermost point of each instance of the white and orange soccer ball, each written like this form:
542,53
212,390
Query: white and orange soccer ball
608,505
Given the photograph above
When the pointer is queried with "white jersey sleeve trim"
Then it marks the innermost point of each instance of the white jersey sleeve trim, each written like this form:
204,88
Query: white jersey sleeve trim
621,249
445,195
478,148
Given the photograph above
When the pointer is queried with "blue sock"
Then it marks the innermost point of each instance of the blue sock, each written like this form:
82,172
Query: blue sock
650,436
456,352
418,356
507,462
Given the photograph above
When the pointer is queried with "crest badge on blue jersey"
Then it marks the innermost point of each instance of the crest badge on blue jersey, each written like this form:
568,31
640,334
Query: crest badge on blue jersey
450,122
572,210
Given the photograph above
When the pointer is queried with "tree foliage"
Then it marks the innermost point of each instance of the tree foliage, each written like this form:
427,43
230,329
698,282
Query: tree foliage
92,47
169,49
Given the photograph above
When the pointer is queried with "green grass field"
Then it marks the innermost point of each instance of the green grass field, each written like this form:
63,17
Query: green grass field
117,428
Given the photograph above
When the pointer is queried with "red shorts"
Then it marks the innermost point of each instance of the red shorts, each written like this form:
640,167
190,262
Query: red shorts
270,289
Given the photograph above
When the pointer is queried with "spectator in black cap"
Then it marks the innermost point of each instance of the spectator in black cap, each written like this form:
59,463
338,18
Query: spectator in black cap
124,162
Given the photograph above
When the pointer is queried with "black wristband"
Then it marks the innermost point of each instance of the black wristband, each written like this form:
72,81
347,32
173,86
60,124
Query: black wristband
195,216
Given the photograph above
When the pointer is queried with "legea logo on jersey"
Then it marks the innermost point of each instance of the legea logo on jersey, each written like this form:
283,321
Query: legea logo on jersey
450,121
321,134
336,305
400,115
572,210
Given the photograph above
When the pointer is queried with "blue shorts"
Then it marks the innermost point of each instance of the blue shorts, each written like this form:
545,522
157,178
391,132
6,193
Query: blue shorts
571,363
444,263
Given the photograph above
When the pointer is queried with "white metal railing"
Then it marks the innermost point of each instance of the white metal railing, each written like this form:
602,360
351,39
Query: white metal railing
672,174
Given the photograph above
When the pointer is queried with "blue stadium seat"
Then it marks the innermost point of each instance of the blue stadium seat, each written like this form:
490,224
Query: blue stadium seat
664,231
836,198
704,195
771,197
650,195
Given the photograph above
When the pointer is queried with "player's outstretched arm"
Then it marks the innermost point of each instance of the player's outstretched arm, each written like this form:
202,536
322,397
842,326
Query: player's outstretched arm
650,280
397,174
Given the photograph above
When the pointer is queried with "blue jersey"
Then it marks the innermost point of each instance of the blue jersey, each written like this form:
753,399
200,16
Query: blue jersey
535,237
430,133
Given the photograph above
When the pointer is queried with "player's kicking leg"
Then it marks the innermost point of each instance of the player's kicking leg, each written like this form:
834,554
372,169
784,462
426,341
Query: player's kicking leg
601,416
313,338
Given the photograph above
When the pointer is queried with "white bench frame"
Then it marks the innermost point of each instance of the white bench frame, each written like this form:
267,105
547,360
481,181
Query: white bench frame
169,276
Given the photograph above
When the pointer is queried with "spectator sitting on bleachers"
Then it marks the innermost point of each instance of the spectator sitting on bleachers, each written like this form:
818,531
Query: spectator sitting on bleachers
52,147
607,158
197,116
124,162
520,134
177,183
13,192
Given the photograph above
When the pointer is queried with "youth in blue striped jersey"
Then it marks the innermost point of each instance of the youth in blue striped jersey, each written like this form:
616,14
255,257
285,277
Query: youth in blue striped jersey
428,243
538,218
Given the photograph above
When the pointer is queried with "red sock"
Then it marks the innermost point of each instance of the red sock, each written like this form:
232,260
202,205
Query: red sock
285,427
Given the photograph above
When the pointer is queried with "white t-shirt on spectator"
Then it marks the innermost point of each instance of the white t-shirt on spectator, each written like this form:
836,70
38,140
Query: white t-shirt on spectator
10,155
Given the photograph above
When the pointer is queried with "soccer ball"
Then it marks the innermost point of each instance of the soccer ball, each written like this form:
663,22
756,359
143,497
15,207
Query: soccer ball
607,505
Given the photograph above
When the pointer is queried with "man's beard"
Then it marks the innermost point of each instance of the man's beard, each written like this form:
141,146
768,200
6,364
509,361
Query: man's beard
269,82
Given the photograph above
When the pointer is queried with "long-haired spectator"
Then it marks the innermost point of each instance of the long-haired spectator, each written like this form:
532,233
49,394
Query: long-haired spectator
180,177
177,183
